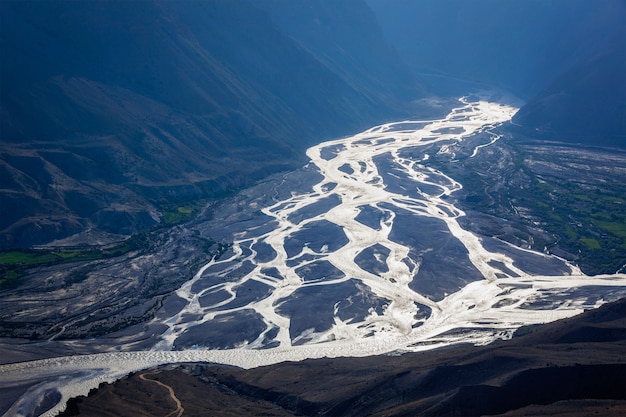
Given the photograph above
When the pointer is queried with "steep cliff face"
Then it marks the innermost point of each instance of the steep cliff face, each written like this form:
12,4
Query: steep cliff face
110,109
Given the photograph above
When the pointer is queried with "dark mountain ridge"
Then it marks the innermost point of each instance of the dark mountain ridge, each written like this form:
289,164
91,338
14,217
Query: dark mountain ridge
344,37
586,104
519,45
566,57
112,109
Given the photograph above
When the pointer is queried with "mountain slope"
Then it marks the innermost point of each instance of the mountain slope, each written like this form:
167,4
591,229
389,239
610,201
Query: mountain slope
586,104
573,75
345,37
111,110
518,45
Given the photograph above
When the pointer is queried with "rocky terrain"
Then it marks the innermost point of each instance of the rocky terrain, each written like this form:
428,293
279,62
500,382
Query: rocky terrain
552,197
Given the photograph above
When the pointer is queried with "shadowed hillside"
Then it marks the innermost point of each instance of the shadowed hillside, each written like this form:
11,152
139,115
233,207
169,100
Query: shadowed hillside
112,111
586,104
572,74
517,45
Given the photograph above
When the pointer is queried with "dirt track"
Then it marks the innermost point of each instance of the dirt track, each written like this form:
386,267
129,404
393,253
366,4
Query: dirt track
179,407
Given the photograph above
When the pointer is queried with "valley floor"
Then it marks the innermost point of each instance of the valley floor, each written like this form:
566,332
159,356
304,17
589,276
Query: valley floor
573,367
368,250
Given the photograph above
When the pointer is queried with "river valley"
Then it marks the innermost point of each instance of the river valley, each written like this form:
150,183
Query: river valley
361,252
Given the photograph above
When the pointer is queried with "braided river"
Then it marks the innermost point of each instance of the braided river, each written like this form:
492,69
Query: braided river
367,257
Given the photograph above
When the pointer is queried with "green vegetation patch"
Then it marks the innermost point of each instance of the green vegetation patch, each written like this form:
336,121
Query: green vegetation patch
618,228
29,257
14,263
591,243
543,186
588,221
586,215
176,214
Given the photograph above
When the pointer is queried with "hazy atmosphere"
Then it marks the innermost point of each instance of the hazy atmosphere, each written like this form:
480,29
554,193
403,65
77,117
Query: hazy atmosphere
312,207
